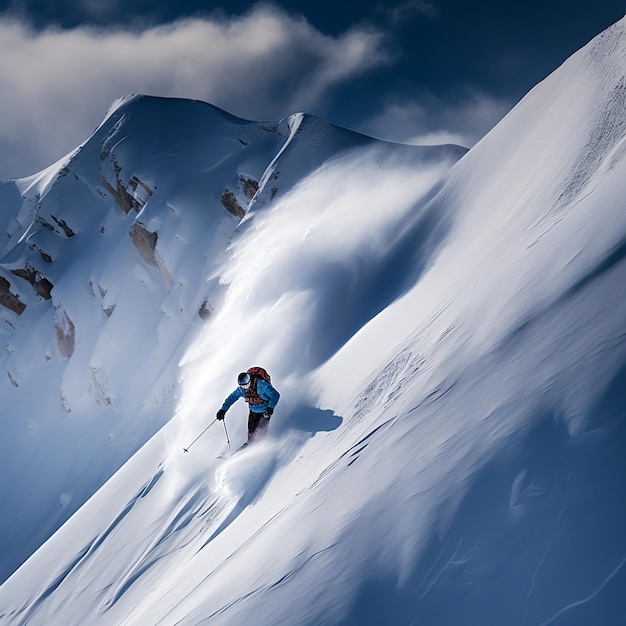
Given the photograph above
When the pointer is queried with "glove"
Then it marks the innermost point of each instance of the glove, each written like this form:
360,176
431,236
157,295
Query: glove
268,412
221,414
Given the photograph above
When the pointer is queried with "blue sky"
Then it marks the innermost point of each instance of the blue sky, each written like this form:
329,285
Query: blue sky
418,71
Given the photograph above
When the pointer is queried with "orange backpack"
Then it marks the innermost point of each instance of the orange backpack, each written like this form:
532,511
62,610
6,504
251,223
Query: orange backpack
252,397
259,372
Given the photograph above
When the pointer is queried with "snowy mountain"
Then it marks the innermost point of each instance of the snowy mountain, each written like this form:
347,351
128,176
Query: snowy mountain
446,331
114,266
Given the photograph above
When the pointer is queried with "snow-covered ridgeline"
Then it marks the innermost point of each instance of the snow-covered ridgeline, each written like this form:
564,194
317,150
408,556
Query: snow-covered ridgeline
112,264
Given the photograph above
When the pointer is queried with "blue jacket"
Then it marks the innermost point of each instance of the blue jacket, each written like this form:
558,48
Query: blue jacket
264,390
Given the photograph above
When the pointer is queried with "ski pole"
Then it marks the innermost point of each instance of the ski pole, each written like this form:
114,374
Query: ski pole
200,435
227,439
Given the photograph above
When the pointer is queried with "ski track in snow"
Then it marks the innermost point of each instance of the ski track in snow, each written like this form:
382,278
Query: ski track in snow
190,526
574,605
88,553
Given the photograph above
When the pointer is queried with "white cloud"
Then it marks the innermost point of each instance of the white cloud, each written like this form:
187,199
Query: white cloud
427,120
439,138
57,84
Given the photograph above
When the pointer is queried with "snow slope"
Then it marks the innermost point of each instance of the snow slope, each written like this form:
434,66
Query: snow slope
451,355
112,264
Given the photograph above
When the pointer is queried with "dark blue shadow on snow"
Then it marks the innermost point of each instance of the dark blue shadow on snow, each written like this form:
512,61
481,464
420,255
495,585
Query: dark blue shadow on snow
538,538
312,420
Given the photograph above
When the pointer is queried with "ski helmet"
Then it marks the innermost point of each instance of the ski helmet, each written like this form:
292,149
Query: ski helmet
243,380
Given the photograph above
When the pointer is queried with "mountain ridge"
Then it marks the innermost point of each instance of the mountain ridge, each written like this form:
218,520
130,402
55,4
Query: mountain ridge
148,204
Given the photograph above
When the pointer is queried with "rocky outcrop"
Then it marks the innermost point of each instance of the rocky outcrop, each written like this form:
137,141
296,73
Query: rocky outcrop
145,242
10,300
206,310
248,186
229,202
121,192
65,333
42,285
64,227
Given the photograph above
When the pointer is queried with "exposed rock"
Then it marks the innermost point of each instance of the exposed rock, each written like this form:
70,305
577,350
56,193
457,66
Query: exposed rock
42,285
206,310
107,310
44,256
145,241
229,202
124,199
65,333
10,300
271,128
135,182
63,224
44,223
249,186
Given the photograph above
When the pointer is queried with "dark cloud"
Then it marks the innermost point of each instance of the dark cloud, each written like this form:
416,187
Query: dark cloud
405,70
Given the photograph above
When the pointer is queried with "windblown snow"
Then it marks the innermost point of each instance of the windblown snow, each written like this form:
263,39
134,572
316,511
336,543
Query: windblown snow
446,329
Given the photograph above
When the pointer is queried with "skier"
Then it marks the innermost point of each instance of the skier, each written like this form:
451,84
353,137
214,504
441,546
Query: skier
256,388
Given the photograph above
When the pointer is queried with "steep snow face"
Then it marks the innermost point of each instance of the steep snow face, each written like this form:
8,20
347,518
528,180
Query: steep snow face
534,211
466,466
113,261
450,351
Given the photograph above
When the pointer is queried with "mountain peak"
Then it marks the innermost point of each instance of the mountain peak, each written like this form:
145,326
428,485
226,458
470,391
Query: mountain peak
116,252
